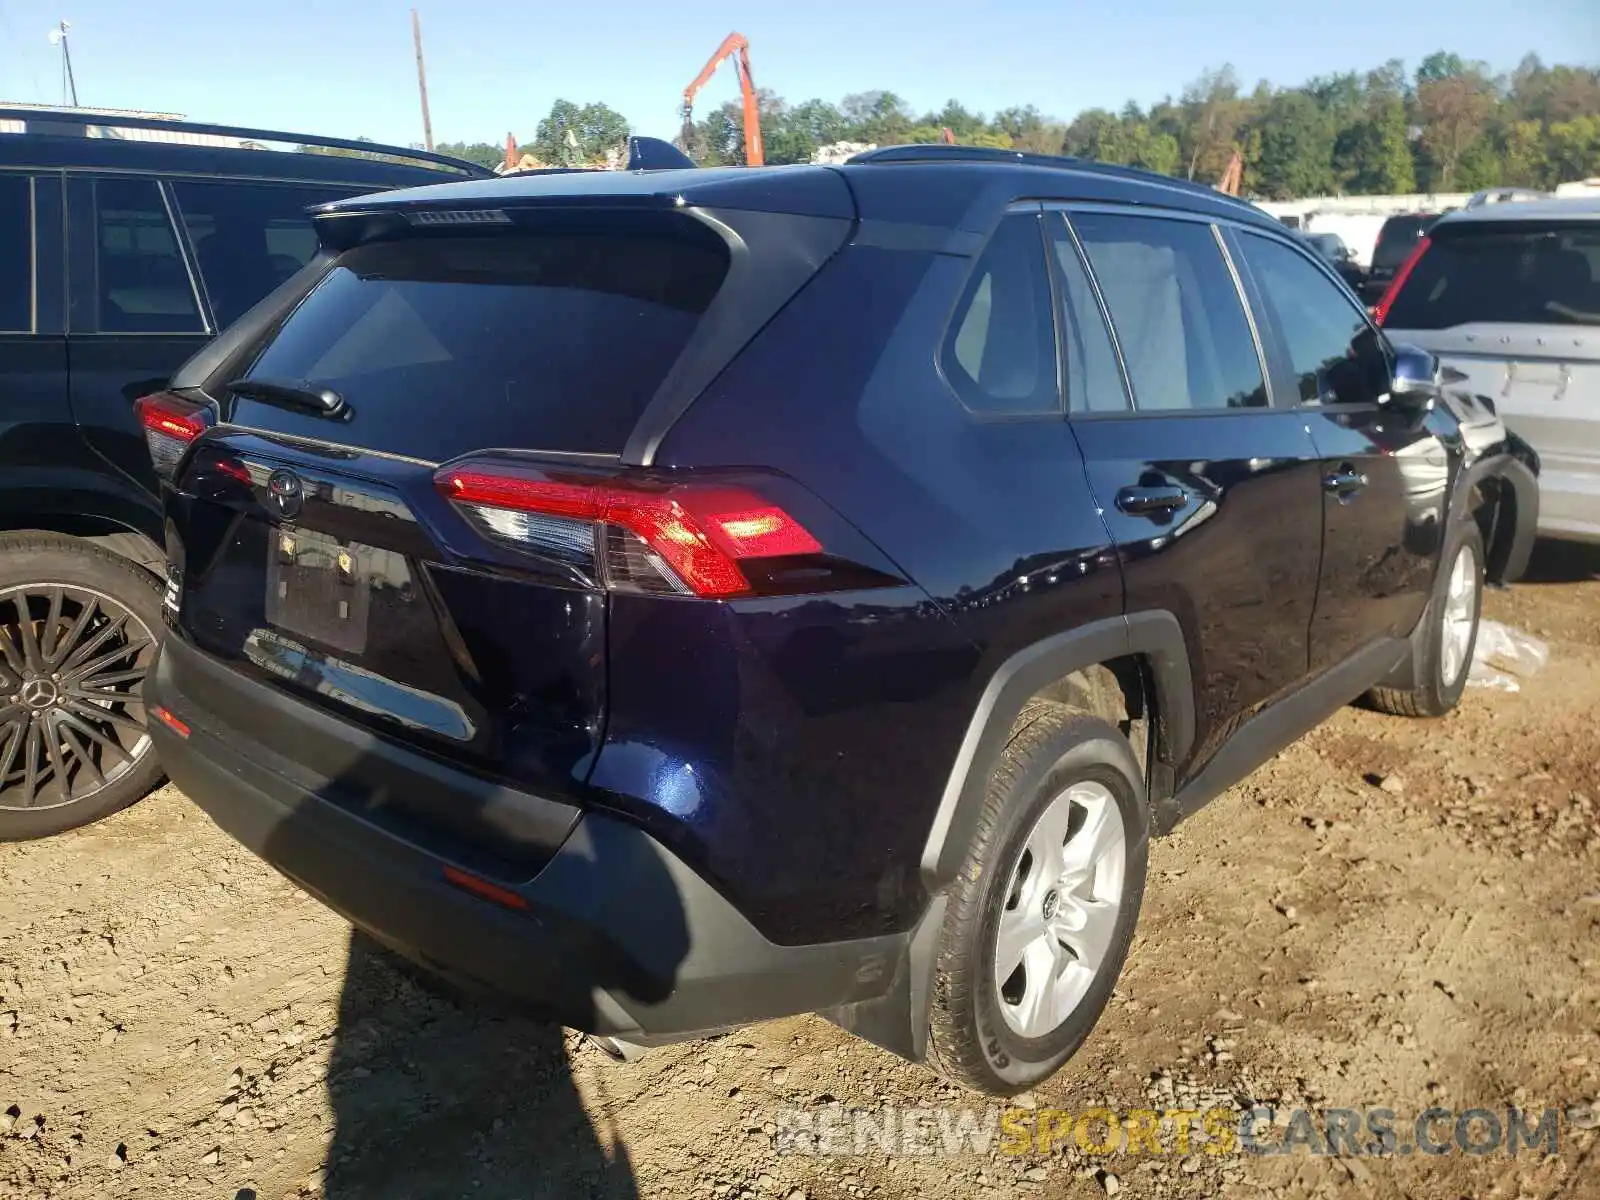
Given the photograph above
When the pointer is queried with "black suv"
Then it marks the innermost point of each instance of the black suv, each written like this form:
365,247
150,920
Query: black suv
678,599
125,243
1396,240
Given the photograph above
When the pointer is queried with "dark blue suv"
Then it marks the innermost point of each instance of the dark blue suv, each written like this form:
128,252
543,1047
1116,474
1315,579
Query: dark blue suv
676,599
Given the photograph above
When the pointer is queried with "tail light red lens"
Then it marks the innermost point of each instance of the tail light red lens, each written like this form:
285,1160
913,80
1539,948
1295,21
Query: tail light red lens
1381,312
684,538
170,425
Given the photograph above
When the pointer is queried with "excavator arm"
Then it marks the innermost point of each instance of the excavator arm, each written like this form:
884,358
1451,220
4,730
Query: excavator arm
737,47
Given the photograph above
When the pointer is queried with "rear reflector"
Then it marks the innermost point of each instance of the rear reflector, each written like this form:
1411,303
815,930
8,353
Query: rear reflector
170,721
686,538
170,425
1380,312
485,890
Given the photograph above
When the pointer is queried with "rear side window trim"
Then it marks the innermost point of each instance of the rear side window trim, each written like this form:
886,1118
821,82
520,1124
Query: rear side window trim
1219,227
202,302
1130,408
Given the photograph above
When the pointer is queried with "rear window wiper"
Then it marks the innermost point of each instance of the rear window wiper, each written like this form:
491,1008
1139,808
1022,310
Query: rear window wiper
299,394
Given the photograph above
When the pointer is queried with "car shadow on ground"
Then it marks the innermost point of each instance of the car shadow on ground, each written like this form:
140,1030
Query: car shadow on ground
444,1089
435,1094
1562,562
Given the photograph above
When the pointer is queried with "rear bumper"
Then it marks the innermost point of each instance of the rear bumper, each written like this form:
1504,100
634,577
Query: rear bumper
613,934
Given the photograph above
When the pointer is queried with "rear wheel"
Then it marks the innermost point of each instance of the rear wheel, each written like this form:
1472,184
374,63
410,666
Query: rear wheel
77,637
1043,911
1447,635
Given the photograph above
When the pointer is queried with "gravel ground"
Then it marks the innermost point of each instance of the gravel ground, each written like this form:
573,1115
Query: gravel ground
1390,913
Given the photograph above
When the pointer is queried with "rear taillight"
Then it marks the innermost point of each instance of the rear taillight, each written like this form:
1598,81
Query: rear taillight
1381,311
640,536
170,425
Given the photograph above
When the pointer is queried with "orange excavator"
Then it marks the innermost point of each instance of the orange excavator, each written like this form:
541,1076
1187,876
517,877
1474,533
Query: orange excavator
735,44
1232,176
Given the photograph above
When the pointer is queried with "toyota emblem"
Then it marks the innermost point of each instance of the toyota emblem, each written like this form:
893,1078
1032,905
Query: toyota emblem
285,494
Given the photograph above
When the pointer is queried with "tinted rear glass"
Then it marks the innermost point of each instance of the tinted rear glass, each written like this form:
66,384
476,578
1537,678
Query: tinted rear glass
1398,238
532,341
1504,273
248,237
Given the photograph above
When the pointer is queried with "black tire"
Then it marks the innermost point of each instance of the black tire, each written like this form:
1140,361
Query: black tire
1434,695
107,764
970,1041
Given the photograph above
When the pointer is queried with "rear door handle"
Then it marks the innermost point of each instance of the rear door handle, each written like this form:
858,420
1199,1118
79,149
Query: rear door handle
1151,501
1345,482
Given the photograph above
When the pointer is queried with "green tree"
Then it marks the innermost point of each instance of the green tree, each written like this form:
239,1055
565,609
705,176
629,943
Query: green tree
1454,110
1154,150
1375,154
1439,65
1574,149
1296,148
879,117
482,153
822,122
571,135
1082,138
1029,130
1212,115
1522,154
958,119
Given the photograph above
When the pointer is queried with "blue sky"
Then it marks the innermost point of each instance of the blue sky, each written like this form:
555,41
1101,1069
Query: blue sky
345,67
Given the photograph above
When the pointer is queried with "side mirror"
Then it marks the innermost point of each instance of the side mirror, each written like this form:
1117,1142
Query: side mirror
1415,383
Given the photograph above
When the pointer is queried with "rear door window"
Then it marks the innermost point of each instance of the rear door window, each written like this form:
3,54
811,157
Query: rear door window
444,344
248,237
1176,310
16,254
1000,353
1513,272
141,283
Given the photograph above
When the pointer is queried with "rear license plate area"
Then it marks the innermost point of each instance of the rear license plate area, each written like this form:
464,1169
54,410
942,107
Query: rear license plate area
319,588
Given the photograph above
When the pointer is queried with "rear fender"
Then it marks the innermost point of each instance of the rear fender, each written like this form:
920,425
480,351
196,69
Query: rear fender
897,1021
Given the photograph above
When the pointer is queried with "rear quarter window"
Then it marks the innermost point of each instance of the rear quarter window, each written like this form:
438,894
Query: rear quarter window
1510,273
442,345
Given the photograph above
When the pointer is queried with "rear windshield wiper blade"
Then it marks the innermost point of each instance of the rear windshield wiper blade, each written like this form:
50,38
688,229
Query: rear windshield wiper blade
299,394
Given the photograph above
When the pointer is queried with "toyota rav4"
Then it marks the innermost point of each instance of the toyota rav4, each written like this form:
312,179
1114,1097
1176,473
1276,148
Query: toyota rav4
677,599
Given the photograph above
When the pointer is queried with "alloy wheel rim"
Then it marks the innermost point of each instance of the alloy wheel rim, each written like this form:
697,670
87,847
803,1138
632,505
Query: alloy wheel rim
73,662
1062,903
1460,615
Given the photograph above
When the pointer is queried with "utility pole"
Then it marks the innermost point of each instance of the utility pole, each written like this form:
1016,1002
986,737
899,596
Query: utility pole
69,85
422,81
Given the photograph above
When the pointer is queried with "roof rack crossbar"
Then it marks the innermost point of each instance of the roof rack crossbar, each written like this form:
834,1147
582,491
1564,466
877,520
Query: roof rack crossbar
87,117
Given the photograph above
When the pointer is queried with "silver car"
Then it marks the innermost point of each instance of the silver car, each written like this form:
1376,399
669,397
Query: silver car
1508,297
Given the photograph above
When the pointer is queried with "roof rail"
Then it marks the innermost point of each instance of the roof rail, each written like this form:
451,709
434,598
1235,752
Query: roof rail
58,122
939,152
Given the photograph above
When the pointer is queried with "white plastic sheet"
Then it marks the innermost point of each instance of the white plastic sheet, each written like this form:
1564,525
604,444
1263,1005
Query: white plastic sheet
1504,654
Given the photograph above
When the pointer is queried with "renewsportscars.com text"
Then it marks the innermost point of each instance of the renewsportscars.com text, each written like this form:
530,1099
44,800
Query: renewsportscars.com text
1346,1132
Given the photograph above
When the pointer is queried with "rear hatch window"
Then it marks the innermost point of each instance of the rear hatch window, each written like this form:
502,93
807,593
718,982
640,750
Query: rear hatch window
439,345
1397,239
1512,273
